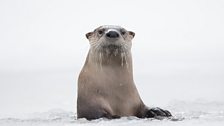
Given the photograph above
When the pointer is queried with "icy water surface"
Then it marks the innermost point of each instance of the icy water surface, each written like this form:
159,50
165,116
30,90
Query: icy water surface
197,113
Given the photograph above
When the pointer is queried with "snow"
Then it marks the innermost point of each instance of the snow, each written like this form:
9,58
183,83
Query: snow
197,113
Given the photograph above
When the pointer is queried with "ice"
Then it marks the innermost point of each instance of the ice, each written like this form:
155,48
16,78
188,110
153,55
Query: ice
197,113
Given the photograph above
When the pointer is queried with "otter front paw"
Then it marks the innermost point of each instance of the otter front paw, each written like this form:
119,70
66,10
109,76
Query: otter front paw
157,112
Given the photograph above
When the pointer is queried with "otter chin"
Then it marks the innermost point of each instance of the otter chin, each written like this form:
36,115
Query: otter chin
106,87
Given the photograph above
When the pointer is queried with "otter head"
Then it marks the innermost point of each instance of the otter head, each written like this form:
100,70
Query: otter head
110,39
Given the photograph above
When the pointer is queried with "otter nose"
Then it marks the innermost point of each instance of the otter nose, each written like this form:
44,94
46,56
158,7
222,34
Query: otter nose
112,34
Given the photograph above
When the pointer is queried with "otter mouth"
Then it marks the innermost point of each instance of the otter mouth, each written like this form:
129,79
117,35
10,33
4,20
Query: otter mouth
113,49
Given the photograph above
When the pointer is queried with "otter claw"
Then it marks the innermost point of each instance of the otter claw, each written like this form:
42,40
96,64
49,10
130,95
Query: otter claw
155,112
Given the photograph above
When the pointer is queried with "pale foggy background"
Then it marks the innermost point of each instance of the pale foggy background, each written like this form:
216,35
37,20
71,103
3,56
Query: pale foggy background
178,50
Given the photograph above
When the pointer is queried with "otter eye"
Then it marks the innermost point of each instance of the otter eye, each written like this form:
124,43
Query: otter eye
123,32
100,32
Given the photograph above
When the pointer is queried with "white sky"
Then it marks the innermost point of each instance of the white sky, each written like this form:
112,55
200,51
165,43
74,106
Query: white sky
178,50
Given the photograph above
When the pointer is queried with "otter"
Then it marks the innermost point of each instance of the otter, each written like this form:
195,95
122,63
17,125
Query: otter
106,88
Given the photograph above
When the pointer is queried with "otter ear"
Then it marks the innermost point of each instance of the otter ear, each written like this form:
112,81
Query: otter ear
131,33
89,34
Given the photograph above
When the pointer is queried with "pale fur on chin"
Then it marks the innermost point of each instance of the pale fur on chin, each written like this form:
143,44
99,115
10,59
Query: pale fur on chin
100,54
